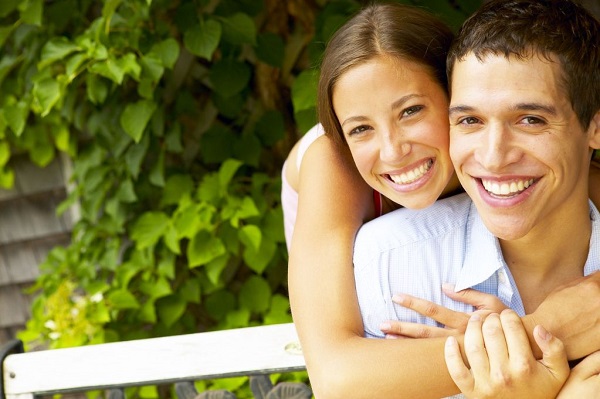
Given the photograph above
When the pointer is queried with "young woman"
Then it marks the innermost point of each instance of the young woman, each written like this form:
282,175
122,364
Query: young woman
383,104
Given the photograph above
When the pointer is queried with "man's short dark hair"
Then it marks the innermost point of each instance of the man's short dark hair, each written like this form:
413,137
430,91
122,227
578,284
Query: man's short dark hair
553,29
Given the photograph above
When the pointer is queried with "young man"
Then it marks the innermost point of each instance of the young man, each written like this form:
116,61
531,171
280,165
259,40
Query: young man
525,118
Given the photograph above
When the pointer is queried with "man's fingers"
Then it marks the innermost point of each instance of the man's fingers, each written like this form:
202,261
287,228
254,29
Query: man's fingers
459,372
439,313
495,342
554,355
475,298
475,348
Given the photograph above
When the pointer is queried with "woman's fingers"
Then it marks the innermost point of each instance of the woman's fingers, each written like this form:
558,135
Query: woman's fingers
439,313
412,330
475,298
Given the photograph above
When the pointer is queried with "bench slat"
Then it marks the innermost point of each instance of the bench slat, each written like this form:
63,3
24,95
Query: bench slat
227,353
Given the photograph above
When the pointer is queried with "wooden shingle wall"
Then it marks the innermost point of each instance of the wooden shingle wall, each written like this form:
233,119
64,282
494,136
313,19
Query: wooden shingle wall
29,228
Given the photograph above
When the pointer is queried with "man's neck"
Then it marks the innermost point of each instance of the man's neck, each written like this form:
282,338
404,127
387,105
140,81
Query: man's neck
548,257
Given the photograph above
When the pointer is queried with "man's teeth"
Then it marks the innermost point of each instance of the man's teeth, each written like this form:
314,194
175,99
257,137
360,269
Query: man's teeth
412,175
506,188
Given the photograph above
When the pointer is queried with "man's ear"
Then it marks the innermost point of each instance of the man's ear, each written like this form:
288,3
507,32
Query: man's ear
594,131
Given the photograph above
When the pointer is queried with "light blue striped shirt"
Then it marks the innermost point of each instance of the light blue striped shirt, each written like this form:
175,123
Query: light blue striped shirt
414,252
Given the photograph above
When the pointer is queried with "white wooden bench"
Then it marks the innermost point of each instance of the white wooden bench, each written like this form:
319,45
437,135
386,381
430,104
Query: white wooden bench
182,359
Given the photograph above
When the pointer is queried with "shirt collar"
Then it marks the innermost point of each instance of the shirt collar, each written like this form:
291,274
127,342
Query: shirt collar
593,261
483,255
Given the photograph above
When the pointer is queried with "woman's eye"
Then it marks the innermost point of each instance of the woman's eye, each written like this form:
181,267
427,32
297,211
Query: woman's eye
358,130
412,110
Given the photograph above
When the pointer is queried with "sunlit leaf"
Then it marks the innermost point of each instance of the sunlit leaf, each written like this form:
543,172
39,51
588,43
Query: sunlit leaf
96,89
135,117
227,171
135,155
251,236
47,93
168,51
258,260
31,13
304,90
175,187
16,116
56,49
203,248
149,228
123,299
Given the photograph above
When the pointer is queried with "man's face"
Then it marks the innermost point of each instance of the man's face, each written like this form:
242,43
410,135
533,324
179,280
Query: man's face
517,146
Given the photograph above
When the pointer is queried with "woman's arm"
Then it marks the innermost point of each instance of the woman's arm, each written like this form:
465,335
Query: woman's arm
584,381
333,203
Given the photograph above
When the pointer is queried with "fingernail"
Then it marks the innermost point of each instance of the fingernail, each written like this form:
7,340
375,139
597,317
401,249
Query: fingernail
448,287
450,341
385,327
544,334
391,336
475,317
398,298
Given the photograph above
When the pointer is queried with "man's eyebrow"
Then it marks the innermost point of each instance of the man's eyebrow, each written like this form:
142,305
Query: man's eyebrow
536,107
460,108
518,107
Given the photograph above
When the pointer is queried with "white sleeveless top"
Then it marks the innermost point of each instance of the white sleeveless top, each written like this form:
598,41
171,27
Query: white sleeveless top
289,196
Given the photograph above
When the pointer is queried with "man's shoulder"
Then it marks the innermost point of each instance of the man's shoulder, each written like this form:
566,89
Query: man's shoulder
404,226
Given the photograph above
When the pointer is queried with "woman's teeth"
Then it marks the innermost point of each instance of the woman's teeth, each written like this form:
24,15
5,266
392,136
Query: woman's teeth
508,188
412,175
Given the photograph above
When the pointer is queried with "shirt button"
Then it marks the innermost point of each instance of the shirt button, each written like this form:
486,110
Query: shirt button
501,277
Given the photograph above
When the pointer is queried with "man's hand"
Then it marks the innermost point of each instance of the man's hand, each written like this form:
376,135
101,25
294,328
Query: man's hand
502,364
454,322
572,313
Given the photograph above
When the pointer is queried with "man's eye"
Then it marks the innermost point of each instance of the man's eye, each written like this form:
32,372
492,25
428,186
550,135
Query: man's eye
470,120
532,120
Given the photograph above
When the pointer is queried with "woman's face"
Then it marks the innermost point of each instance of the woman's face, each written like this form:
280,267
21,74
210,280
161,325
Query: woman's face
395,120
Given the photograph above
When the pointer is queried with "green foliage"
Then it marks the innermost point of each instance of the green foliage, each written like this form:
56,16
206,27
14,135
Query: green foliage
177,116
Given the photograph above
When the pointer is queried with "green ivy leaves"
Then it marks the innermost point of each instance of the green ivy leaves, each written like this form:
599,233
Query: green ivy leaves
177,117
202,39
135,118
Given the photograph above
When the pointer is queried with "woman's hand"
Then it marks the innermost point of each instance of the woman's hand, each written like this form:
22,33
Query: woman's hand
454,322
501,361
584,381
